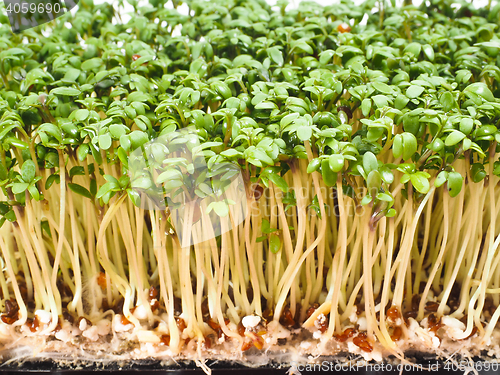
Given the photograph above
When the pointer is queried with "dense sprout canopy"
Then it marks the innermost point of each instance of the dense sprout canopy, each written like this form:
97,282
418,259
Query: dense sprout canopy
421,83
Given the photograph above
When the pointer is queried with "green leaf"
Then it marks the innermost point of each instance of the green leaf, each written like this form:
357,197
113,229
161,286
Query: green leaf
447,101
3,172
117,130
130,112
105,141
278,181
413,48
313,165
406,168
35,194
373,182
11,216
480,88
231,153
405,178
103,190
134,197
397,146
380,101
16,51
414,91
274,243
304,133
266,105
275,54
266,227
401,101
409,145
125,142
288,119
428,51
302,47
366,200
220,208
198,66
466,144
420,182
140,183
477,172
72,74
171,185
466,125
391,212
329,177
496,168
50,180
366,106
222,89
82,114
28,171
93,186
441,178
382,87
16,142
171,174
485,131
110,178
19,187
336,162
326,56
370,162
436,145
455,181
453,138
384,197
137,139
463,76
261,156
65,91
78,189
52,130
91,64
76,171
83,151
386,174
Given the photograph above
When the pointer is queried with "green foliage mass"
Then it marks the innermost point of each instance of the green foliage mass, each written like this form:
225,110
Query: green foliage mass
409,90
